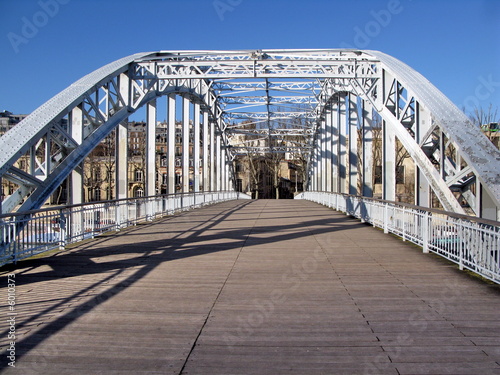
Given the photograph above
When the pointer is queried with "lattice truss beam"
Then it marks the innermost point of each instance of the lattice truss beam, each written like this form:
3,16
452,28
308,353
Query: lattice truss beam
325,104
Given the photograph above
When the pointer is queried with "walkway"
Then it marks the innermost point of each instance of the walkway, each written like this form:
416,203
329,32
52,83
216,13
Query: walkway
250,287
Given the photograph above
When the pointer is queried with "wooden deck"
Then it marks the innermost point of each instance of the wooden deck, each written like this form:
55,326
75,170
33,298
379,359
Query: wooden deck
250,287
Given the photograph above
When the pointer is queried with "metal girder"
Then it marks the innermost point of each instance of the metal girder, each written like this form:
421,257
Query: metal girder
243,150
273,100
265,115
299,86
284,94
275,132
253,66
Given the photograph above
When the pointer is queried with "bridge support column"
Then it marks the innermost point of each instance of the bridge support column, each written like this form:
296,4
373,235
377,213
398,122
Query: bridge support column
185,144
367,150
212,155
328,154
229,177
171,144
227,163
76,131
223,166
342,155
324,141
335,147
218,162
151,148
353,118
315,173
389,163
121,156
196,148
121,164
150,156
319,156
205,156
423,189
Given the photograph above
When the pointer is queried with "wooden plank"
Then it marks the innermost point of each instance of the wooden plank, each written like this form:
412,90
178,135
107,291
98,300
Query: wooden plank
266,287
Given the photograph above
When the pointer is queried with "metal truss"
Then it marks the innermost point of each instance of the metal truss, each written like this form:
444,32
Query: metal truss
240,150
275,100
322,103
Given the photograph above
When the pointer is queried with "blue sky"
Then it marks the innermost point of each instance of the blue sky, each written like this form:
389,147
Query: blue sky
48,44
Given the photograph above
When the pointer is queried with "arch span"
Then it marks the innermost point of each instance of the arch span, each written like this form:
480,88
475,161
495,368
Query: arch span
325,104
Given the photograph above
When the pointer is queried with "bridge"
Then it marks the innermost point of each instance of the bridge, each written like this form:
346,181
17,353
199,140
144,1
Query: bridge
320,105
260,286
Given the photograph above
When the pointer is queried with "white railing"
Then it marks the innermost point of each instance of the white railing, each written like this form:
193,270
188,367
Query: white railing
23,235
472,243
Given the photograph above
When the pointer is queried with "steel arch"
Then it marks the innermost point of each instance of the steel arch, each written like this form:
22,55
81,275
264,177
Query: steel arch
272,88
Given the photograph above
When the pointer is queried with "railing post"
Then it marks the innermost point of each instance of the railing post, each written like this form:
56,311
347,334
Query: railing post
386,218
461,250
92,221
117,216
126,213
62,231
426,235
149,209
15,241
404,224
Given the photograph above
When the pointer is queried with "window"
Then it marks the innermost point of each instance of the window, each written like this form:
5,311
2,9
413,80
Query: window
139,175
97,194
138,193
94,194
97,174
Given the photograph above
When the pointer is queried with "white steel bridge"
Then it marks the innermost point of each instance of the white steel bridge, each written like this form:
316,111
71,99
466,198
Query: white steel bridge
320,104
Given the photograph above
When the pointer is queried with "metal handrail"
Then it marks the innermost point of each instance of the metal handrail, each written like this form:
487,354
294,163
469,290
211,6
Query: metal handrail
24,234
473,243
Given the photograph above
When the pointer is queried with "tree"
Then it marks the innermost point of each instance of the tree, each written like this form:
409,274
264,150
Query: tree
273,160
483,117
253,167
99,168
